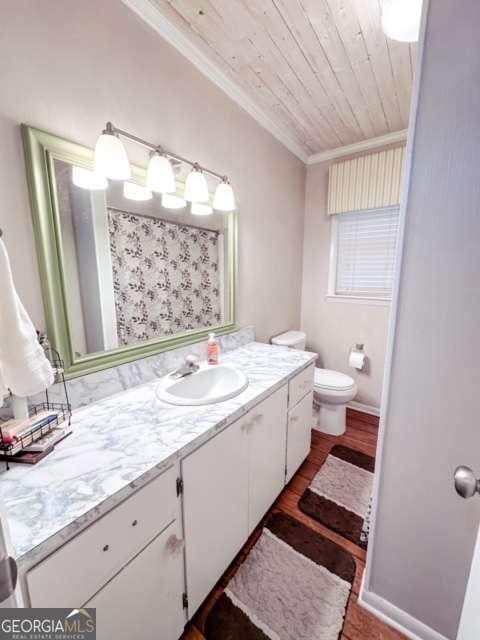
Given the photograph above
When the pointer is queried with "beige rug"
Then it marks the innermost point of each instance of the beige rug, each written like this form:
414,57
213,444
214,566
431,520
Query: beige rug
293,585
340,493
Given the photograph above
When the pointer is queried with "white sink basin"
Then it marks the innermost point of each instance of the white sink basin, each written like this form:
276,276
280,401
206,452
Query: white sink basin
208,385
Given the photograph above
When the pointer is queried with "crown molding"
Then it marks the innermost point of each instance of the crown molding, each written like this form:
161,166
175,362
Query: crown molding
364,145
153,17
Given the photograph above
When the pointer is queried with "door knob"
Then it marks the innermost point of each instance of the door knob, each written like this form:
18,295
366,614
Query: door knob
466,484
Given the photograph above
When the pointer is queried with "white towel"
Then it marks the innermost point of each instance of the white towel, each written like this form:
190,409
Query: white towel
24,368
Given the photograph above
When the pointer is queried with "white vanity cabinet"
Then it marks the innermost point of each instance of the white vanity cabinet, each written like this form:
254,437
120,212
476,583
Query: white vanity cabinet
144,599
132,563
300,419
129,564
215,509
266,448
229,484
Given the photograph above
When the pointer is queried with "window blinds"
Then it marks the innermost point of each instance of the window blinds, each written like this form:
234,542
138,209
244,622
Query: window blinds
366,243
366,182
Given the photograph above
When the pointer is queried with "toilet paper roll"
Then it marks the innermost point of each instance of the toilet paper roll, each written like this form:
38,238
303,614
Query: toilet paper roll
356,360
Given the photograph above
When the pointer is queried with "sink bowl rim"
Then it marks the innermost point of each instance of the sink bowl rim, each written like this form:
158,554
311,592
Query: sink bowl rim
162,389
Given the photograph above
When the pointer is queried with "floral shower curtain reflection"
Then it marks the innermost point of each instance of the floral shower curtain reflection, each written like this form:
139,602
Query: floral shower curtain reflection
166,276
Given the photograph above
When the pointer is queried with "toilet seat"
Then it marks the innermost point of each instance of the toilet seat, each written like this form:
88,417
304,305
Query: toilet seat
333,380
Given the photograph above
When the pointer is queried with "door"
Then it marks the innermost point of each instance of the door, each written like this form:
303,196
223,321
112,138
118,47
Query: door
299,434
423,535
215,509
144,600
267,431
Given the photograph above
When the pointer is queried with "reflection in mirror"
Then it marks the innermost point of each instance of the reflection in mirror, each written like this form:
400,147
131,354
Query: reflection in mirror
137,267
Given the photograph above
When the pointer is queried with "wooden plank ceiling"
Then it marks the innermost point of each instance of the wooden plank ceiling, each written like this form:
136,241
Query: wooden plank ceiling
321,69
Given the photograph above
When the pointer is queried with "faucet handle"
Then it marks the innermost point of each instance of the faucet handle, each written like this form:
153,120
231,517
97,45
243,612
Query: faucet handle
191,359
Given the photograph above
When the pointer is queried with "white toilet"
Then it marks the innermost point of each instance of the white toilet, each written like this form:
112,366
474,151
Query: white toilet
334,389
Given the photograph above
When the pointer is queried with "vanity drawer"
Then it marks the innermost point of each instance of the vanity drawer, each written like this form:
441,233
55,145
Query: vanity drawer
300,385
70,576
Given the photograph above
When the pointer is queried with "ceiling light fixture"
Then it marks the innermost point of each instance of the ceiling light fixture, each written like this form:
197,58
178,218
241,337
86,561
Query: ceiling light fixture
86,179
160,176
111,160
134,191
170,201
401,19
200,209
224,199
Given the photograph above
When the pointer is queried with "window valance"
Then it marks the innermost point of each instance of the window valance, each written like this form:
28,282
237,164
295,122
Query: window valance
372,181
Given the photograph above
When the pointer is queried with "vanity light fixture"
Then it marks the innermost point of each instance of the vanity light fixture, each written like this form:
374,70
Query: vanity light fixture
86,179
134,191
401,19
224,199
200,209
170,201
111,160
196,188
160,176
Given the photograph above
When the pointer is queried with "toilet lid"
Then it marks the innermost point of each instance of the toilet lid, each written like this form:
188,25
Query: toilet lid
289,338
329,379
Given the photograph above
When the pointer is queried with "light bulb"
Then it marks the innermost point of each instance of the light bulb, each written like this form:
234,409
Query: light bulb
134,191
172,202
224,199
196,188
86,179
160,176
111,160
199,209
401,19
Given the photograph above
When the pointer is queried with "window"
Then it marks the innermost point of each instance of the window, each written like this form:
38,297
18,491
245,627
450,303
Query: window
363,250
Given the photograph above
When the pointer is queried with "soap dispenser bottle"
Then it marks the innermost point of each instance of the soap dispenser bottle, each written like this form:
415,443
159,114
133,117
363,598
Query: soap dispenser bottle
213,349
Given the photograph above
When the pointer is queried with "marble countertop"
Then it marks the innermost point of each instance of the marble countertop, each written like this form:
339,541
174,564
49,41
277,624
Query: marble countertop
118,445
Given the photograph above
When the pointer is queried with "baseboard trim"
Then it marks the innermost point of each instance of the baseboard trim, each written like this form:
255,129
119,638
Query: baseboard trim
395,617
364,408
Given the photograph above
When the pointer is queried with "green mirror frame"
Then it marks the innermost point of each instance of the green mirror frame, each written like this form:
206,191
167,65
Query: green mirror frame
41,150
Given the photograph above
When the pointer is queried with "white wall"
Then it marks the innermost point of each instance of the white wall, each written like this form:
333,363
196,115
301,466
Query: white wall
424,535
68,67
333,327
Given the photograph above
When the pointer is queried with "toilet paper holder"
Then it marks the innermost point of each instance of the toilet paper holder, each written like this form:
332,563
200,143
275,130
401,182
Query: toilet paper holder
357,358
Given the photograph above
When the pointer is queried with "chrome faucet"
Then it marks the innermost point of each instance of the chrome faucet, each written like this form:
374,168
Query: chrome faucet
188,367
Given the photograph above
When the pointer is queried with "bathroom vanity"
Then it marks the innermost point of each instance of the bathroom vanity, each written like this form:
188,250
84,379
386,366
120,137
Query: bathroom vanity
142,509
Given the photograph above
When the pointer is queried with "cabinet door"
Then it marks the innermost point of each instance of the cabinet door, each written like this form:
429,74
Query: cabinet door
267,431
144,600
299,434
215,504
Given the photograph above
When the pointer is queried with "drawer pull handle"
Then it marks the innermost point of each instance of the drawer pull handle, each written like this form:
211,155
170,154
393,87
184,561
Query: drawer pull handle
175,545
134,523
249,424
106,547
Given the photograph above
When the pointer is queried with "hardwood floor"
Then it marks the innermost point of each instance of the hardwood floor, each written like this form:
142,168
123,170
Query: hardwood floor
361,434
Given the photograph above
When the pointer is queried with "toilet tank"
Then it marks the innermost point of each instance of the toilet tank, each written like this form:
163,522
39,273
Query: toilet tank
292,339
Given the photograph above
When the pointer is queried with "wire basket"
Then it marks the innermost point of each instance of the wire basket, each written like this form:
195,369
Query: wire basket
62,411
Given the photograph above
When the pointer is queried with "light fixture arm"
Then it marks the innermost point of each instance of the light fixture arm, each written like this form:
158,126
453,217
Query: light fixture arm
112,129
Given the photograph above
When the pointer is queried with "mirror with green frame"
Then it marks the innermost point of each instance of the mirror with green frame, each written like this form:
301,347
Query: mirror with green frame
125,273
